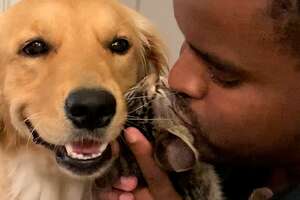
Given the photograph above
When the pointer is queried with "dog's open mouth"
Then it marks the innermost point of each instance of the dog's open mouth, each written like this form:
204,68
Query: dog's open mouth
83,157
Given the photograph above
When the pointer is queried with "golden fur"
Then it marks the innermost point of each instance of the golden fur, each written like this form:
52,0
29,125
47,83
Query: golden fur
36,88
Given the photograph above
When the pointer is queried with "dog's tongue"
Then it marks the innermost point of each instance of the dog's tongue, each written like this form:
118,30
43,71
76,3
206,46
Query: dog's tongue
86,147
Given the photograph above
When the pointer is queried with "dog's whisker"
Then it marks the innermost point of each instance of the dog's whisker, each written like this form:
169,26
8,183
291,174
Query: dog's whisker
146,96
149,119
32,116
30,136
29,139
131,123
56,147
140,107
136,97
130,117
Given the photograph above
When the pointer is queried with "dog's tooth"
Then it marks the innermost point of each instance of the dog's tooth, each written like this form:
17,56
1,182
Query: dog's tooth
69,149
74,155
86,157
77,156
96,155
102,147
83,157
80,156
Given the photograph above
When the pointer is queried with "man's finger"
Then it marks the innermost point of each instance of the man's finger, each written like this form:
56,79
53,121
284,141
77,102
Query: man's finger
127,196
127,184
143,194
106,194
113,194
158,181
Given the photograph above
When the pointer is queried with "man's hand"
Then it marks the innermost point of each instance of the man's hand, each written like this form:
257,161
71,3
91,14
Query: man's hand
160,187
122,190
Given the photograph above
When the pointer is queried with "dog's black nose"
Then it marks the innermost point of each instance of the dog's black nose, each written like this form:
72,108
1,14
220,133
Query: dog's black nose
90,108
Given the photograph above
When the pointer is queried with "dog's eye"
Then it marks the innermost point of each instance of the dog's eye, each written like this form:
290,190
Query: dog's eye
36,48
119,46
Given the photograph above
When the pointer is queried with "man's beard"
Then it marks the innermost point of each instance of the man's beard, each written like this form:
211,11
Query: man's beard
181,106
208,150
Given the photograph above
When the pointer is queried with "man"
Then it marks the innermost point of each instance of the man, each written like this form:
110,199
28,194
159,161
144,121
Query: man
241,72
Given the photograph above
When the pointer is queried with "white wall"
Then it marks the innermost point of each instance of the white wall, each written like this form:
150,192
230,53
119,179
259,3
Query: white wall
160,12
130,3
4,4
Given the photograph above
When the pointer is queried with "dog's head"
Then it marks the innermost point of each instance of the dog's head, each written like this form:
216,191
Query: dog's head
64,68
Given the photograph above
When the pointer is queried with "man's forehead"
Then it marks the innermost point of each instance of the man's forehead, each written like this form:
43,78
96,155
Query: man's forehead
199,19
225,8
242,38
276,20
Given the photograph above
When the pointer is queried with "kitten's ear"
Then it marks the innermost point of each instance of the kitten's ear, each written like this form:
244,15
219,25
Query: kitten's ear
175,153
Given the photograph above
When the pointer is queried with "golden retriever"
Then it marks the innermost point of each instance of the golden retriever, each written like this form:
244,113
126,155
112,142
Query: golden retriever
65,67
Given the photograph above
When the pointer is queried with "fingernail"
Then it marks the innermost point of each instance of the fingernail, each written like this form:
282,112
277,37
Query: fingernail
130,138
126,196
129,180
124,179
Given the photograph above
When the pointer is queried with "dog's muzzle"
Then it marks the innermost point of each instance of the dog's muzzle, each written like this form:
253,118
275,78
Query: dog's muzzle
84,156
90,111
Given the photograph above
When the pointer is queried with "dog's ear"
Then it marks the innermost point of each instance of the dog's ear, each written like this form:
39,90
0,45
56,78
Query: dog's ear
153,51
2,41
1,36
1,76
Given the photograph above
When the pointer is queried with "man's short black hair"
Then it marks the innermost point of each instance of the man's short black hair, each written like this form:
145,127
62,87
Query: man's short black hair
286,17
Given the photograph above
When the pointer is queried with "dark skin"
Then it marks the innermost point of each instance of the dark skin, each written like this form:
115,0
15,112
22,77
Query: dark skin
243,87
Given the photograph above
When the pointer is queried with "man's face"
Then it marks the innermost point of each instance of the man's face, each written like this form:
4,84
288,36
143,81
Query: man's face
243,85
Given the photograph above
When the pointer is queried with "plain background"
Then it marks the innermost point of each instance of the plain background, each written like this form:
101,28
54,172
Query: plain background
160,12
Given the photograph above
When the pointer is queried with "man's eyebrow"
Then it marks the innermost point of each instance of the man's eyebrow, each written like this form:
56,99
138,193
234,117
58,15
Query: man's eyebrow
217,62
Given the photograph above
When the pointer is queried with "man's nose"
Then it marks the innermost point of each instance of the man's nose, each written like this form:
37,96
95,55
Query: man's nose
189,75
